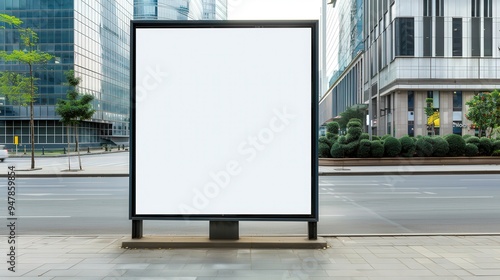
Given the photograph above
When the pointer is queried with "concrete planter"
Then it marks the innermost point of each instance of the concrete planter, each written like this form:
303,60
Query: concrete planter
395,161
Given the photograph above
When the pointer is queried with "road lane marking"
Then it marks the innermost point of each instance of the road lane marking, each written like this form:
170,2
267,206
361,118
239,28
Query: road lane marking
393,193
62,194
456,197
429,193
36,217
47,199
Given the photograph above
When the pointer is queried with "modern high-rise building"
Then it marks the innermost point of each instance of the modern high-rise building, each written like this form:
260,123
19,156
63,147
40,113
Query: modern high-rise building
446,50
89,37
180,9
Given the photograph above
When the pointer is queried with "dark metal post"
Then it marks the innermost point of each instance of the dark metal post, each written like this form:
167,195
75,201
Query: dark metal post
88,150
136,229
43,151
64,150
224,230
312,228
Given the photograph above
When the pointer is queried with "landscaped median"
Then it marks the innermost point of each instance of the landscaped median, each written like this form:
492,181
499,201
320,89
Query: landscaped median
399,161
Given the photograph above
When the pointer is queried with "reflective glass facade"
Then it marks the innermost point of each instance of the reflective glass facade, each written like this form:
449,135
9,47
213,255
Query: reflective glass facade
180,9
89,37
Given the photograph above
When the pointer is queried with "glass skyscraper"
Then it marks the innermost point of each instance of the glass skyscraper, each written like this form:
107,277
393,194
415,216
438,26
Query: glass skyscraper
180,9
89,37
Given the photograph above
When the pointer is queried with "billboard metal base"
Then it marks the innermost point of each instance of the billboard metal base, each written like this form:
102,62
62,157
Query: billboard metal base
136,229
224,230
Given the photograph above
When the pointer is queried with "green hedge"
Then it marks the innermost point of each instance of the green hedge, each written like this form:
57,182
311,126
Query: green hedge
337,150
364,135
485,146
471,150
376,149
353,123
364,148
323,150
495,145
424,147
472,140
407,146
440,147
353,134
332,127
466,136
496,153
392,147
456,144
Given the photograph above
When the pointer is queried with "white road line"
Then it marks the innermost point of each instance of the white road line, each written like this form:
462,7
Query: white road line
397,188
332,215
429,193
478,179
456,197
34,217
393,193
48,199
61,194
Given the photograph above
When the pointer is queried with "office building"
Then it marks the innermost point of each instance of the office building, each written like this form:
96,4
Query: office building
180,9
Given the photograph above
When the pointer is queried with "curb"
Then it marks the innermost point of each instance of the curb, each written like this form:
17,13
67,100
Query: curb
392,173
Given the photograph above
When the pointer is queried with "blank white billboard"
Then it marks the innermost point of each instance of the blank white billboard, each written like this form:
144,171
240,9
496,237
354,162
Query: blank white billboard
223,120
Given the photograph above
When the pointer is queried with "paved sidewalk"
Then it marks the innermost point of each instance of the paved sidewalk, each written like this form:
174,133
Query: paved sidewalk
362,258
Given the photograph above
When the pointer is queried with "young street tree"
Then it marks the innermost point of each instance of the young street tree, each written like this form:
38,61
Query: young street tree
76,108
19,88
484,111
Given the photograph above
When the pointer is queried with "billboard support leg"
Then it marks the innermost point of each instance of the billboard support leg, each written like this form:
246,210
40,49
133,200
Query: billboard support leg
228,230
312,228
136,229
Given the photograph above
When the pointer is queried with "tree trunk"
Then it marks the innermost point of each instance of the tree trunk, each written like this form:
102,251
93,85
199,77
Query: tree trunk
78,146
32,118
69,139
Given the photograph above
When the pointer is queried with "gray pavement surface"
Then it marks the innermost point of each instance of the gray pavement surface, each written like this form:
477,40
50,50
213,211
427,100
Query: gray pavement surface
361,258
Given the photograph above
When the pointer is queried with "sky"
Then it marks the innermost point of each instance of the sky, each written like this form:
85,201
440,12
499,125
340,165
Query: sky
273,9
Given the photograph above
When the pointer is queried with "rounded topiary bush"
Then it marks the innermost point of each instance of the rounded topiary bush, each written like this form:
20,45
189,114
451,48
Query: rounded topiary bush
332,127
496,153
353,123
495,145
392,147
466,136
485,146
353,134
386,136
376,149
456,144
375,137
342,140
351,149
440,147
472,140
471,150
364,148
324,139
323,150
423,147
407,146
337,150
364,135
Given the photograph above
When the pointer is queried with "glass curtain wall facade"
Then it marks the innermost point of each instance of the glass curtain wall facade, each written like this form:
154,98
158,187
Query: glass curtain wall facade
343,50
180,9
92,40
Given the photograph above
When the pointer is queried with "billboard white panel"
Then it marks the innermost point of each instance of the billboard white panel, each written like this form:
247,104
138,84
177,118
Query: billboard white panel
222,122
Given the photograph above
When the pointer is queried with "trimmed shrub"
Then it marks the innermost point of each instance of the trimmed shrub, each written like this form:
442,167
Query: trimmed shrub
324,139
323,150
496,153
351,149
485,146
353,123
353,134
364,148
342,140
440,147
466,136
392,147
495,145
364,135
332,137
456,144
472,140
337,150
376,149
332,127
375,137
424,147
386,136
407,146
471,150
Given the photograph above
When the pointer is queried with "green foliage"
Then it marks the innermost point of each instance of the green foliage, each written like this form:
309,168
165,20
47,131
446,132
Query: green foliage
11,20
337,150
332,137
496,153
332,127
471,150
440,147
376,149
353,134
424,147
16,88
325,140
364,135
364,148
392,147
408,146
485,146
467,136
342,140
375,137
351,149
472,140
484,111
77,107
386,136
456,145
495,145
350,114
323,150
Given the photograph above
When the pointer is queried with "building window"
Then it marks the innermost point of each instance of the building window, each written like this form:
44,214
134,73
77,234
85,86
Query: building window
487,8
411,100
457,101
405,41
439,8
475,8
457,37
427,35
427,8
411,115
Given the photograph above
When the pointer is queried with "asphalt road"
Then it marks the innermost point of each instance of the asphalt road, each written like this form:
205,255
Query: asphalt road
450,204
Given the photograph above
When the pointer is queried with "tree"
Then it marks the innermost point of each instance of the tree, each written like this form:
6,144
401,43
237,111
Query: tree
432,116
484,111
29,56
349,114
75,109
